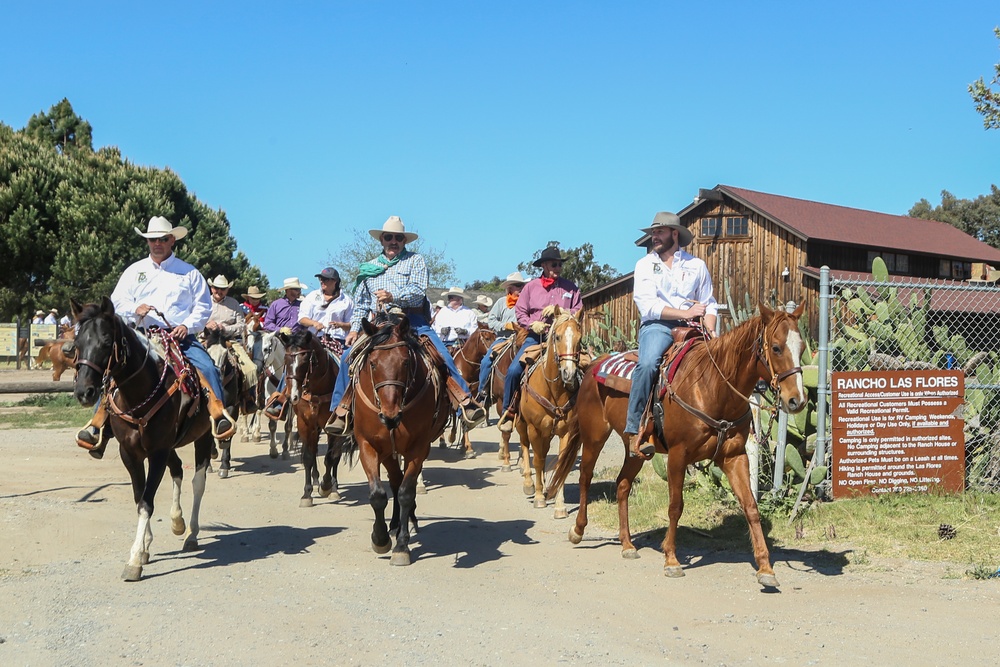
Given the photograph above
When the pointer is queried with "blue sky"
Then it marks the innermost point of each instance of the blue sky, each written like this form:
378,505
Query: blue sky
492,128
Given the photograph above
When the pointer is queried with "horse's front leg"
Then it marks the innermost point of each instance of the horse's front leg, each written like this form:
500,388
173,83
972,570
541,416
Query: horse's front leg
177,525
407,503
626,476
377,497
540,448
504,452
225,458
143,532
560,500
394,471
310,444
676,469
470,453
737,469
202,452
334,449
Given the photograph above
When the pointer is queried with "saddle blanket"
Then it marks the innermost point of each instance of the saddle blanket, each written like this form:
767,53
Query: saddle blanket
620,365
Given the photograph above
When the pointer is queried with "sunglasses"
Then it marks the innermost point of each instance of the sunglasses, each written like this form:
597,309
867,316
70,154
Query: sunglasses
554,263
398,237
162,239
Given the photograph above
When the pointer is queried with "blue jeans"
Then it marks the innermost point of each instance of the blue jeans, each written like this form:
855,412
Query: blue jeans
516,370
198,356
420,328
655,337
486,365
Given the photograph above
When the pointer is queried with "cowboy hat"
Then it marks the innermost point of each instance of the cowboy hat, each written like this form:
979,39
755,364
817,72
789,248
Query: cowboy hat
515,278
483,300
39,312
293,283
254,293
439,304
666,219
53,310
159,226
394,225
454,291
220,282
549,254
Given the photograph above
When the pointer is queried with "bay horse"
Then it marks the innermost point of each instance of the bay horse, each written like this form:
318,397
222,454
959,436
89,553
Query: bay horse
468,358
715,379
401,406
151,415
495,391
548,394
310,375
232,381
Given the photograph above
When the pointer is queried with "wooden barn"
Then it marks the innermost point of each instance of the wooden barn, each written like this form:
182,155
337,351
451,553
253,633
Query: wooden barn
766,244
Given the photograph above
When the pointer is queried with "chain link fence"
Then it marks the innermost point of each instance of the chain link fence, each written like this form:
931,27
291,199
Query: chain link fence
900,323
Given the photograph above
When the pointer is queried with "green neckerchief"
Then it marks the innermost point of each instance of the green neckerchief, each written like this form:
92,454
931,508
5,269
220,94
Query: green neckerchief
376,268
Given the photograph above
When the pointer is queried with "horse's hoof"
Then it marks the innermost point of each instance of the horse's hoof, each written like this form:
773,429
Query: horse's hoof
540,503
421,490
273,454
209,470
505,468
399,558
132,573
528,489
284,456
223,473
334,496
144,558
243,438
470,454
381,549
325,493
177,526
256,438
673,571
767,580
574,536
630,554
441,444
190,544
306,502
560,513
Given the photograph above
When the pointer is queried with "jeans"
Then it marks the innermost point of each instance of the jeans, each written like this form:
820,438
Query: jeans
199,358
516,370
655,336
486,365
420,328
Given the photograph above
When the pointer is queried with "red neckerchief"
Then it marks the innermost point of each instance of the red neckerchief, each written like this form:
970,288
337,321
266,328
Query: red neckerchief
547,282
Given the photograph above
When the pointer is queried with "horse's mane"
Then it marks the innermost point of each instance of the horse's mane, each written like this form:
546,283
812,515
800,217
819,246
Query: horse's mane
301,339
89,312
729,349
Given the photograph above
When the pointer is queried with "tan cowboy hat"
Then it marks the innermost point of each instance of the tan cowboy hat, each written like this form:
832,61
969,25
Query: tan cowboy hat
254,293
393,225
293,283
159,226
483,300
666,219
439,304
453,291
220,282
516,278
39,312
53,311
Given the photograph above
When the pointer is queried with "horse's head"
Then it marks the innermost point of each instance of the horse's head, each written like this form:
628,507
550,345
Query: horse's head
252,321
564,341
391,364
300,361
780,349
98,348
272,351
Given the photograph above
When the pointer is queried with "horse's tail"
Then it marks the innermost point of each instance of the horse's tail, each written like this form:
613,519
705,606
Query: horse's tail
567,458
349,448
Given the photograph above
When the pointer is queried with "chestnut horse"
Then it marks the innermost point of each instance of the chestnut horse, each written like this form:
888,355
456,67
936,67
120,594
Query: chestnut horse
548,394
310,374
468,359
495,392
151,416
715,378
401,406
54,351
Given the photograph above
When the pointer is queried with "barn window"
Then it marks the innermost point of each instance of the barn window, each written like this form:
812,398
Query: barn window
736,225
730,225
896,263
711,226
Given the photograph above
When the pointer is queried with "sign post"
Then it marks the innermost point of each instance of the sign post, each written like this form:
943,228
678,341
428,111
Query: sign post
898,432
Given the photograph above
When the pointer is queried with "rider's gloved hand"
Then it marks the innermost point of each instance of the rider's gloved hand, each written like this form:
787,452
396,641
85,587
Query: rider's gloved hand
539,327
548,311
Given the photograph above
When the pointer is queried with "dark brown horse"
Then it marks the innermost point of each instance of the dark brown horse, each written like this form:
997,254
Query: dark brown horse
715,378
401,406
468,359
495,391
151,416
232,388
310,374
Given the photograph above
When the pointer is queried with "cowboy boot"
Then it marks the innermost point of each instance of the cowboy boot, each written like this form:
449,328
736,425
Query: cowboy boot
275,409
89,436
473,413
645,450
341,422
223,425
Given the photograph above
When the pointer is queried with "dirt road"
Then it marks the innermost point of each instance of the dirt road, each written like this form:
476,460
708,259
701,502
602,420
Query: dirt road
494,581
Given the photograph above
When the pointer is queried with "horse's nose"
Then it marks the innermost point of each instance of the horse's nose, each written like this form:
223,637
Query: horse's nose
86,396
390,422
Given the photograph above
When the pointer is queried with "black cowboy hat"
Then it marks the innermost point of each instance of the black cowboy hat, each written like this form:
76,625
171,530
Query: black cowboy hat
549,254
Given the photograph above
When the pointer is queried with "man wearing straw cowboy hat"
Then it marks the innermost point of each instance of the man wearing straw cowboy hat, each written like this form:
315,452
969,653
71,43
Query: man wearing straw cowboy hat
455,321
227,314
39,317
483,305
164,291
284,312
503,321
397,277
252,300
52,317
671,287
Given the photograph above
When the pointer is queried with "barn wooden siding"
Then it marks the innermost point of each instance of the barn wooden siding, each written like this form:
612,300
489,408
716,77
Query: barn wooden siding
614,297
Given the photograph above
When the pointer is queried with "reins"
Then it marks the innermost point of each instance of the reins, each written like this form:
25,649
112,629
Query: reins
558,412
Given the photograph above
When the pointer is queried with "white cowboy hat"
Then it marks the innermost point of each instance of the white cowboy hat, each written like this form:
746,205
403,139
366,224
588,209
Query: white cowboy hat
483,300
453,291
514,279
39,312
53,310
394,226
159,226
439,304
666,219
220,282
254,293
293,283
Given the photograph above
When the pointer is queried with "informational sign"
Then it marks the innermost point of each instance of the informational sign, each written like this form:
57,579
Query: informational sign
898,432
8,339
47,331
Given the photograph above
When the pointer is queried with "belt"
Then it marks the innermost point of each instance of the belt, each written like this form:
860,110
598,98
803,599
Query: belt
413,311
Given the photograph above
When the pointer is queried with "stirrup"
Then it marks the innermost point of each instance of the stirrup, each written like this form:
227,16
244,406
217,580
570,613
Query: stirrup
644,451
473,415
87,439
228,429
339,425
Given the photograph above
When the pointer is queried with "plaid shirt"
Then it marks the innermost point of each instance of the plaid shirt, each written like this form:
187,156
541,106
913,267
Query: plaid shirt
406,281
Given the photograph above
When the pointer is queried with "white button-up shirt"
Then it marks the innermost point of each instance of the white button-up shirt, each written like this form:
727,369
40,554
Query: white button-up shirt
657,286
338,310
460,318
174,287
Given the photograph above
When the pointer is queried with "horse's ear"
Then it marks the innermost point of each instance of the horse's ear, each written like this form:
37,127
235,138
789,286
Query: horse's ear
578,316
765,313
404,326
797,313
368,327
75,308
107,308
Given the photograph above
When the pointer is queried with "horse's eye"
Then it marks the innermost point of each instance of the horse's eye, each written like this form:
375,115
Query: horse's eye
776,349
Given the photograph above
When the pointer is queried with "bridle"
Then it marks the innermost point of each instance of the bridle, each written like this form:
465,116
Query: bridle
480,345
558,412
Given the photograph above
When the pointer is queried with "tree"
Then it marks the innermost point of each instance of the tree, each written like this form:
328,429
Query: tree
486,286
579,267
61,128
986,98
979,217
362,247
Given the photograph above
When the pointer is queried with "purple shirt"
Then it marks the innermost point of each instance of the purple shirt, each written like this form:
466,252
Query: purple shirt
534,298
282,313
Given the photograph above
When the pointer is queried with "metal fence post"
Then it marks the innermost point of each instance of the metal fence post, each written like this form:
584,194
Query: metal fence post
822,387
779,452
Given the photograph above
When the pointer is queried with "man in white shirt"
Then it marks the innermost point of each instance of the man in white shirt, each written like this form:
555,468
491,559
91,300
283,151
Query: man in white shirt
51,317
671,287
328,310
39,317
164,291
455,321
